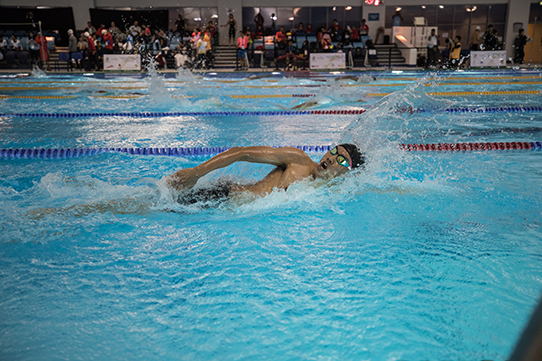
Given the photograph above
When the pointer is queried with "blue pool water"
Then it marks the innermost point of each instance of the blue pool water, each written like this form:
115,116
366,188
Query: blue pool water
422,255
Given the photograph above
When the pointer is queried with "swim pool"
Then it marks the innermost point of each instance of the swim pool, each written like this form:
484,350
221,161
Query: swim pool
424,255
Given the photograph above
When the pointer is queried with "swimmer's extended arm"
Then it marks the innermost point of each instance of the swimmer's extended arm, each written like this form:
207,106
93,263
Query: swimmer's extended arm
187,178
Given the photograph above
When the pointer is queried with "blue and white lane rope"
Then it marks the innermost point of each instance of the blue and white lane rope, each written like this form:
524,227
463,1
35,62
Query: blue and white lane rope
63,153
520,109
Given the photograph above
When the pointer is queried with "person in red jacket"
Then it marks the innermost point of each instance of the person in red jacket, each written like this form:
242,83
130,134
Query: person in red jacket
91,52
108,41
44,52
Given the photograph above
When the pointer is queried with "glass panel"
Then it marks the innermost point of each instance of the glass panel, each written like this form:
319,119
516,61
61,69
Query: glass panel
267,22
430,13
207,15
461,15
189,15
390,10
445,15
462,31
536,12
301,15
318,17
353,17
479,16
497,14
283,14
337,14
248,18
409,13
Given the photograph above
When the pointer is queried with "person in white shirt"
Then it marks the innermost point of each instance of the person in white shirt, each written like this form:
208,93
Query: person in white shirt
15,43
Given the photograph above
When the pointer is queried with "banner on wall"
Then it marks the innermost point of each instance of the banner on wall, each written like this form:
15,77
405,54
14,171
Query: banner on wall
328,61
494,58
122,62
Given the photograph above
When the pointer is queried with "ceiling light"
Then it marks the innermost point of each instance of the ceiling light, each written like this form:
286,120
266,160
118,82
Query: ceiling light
291,18
423,6
441,6
398,9
348,8
214,16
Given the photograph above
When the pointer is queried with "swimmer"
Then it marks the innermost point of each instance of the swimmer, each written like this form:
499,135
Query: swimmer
291,165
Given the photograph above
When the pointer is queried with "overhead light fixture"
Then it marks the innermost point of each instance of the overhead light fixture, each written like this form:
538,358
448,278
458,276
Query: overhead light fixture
471,9
398,9
441,6
348,8
273,17
423,6
291,18
197,19
334,8
214,16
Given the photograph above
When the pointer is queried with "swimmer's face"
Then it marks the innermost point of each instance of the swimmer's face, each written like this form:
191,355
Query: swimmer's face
334,163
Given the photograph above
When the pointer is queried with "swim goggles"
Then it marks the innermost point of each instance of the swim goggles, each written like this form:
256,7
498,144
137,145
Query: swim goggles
340,158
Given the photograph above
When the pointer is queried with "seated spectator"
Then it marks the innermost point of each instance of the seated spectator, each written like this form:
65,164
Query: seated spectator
15,43
300,28
90,29
33,48
114,30
325,42
3,44
309,29
128,45
280,38
135,30
346,38
335,26
355,34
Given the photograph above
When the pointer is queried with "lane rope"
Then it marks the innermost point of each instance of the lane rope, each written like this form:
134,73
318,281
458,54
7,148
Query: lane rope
519,109
62,153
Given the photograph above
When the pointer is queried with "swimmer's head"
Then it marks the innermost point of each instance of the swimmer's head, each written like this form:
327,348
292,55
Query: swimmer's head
339,160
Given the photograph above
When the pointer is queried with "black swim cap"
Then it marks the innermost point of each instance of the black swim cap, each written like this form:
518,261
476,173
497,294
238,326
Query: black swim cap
357,158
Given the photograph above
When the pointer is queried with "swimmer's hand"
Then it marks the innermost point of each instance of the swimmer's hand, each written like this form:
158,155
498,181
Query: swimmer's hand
183,179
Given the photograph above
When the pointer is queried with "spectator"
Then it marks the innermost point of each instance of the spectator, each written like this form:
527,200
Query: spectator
211,28
15,43
114,30
488,38
432,48
280,38
455,54
99,32
135,30
90,29
99,56
309,29
475,39
180,25
108,41
233,28
242,45
346,39
259,20
128,46
324,40
397,17
196,35
91,53
519,46
33,48
44,51
355,34
3,44
72,47
363,28
335,26
300,28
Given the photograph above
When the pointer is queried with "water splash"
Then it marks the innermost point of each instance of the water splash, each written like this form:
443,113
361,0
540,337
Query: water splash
37,72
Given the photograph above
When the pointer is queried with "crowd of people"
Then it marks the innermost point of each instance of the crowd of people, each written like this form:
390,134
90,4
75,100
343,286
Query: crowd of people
195,48
451,55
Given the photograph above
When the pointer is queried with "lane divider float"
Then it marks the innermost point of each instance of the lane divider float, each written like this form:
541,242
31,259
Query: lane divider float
62,153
